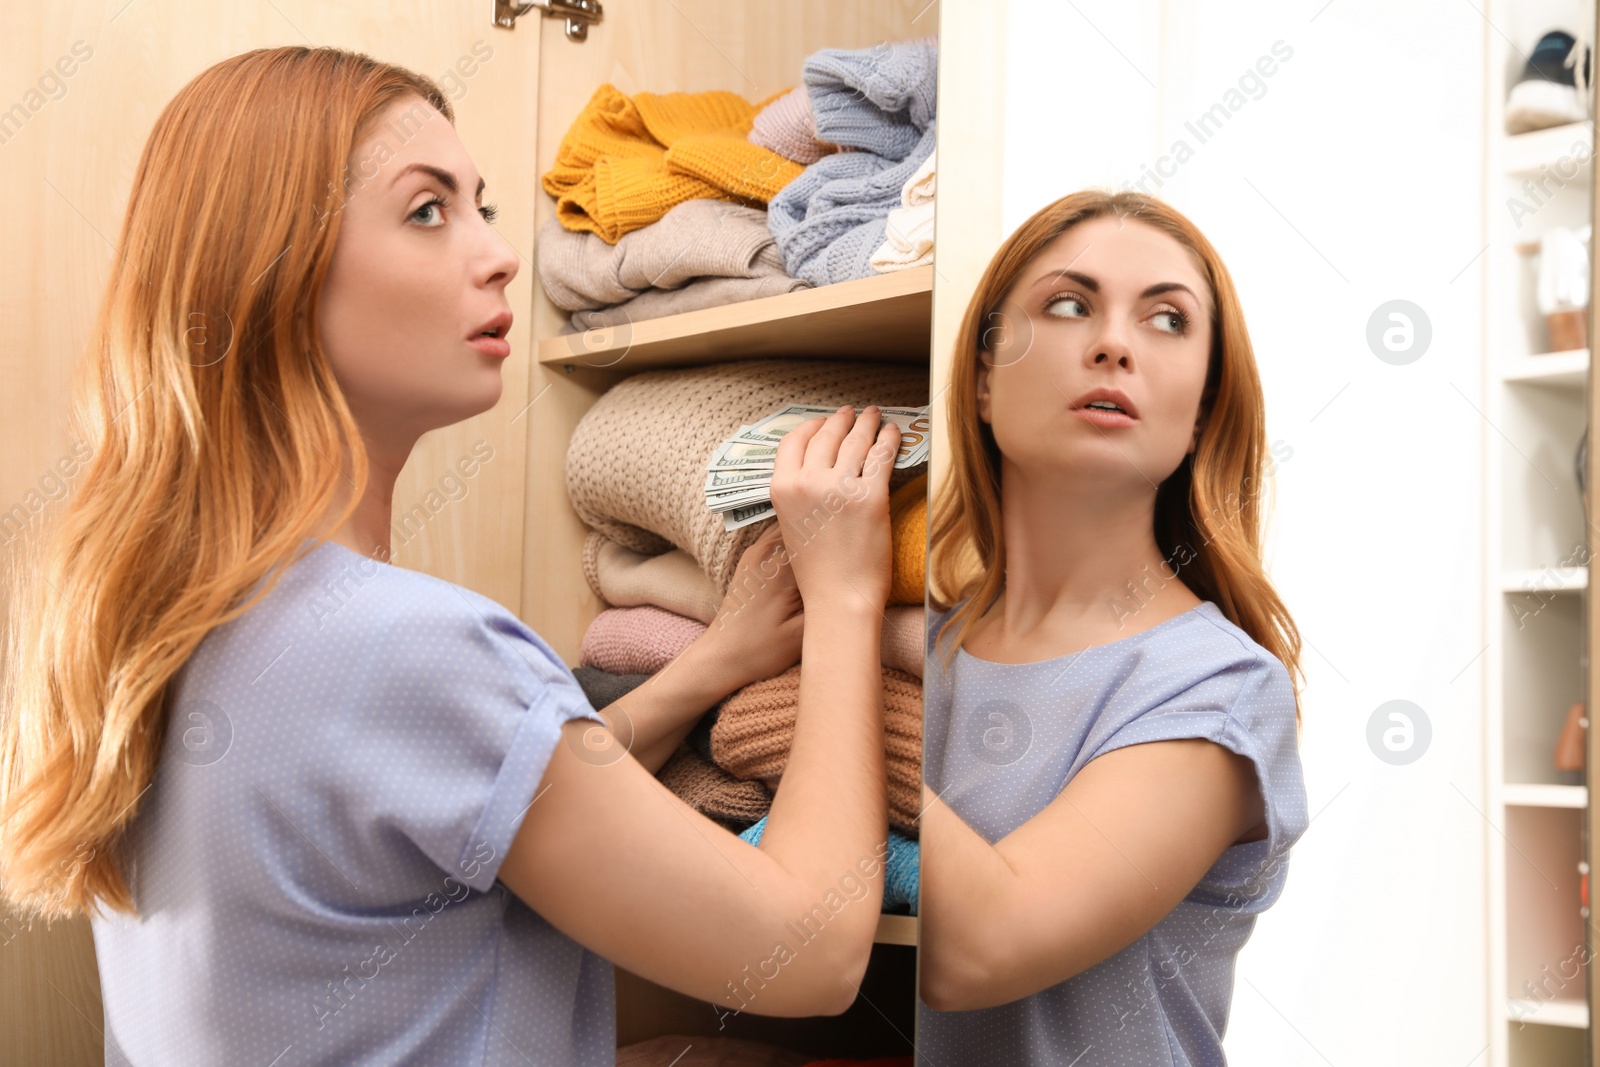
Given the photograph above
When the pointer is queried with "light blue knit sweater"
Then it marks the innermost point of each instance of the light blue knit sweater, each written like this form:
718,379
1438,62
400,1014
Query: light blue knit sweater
878,101
899,870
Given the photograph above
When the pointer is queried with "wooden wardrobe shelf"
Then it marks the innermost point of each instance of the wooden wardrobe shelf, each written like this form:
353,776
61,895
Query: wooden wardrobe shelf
885,318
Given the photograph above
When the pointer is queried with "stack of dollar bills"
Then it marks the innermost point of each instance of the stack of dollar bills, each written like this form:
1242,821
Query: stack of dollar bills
739,476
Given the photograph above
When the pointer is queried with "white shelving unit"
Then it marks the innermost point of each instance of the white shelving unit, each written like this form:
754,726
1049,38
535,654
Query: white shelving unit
1537,576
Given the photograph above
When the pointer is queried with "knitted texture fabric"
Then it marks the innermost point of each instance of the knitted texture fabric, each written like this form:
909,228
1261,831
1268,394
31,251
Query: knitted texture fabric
899,870
755,727
701,1050
786,127
712,791
880,100
624,578
908,231
638,640
904,642
605,687
697,295
908,521
688,774
699,735
673,580
636,464
920,188
625,162
697,239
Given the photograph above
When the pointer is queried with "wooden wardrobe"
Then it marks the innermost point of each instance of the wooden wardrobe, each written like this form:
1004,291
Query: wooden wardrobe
66,173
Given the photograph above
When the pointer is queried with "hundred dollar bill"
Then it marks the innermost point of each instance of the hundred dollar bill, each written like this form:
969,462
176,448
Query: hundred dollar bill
773,427
729,501
723,481
732,520
739,455
739,475
749,449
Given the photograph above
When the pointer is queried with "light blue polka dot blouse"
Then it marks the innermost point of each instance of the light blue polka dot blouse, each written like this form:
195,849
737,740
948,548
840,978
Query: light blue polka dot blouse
1003,740
314,863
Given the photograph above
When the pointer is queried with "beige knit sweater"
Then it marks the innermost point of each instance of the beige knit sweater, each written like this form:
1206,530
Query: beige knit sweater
636,462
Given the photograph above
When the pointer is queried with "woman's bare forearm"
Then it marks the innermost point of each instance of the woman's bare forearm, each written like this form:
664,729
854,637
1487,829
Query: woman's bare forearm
653,719
963,878
829,819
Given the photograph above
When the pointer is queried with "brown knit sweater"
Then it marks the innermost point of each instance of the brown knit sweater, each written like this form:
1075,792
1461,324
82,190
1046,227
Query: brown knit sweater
755,728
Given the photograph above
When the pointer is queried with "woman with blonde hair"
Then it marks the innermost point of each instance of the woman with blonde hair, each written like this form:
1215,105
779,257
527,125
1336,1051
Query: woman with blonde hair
1112,779
323,809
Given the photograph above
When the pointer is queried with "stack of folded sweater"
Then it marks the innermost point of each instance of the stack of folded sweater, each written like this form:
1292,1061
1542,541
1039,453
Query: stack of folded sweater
832,221
659,209
662,562
661,199
626,161
702,253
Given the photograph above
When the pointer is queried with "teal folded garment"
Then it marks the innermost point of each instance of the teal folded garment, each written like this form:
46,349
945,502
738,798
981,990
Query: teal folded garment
899,874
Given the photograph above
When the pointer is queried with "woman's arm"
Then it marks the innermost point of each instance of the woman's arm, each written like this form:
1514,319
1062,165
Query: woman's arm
1127,839
756,634
626,868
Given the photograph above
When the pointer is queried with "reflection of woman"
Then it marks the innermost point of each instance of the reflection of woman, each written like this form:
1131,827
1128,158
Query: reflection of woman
1112,774
299,781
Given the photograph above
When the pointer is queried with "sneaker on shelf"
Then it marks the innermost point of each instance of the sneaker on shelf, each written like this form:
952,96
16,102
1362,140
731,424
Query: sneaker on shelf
1555,85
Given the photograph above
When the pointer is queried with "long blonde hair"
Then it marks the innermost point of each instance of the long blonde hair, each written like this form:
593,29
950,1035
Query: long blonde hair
219,441
1209,508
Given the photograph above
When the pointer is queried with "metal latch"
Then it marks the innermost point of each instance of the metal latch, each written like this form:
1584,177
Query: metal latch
578,13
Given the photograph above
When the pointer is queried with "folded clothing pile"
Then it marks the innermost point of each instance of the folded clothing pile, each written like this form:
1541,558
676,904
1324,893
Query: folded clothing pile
787,126
635,467
755,727
752,729
660,560
644,638
701,253
689,773
659,208
880,103
626,161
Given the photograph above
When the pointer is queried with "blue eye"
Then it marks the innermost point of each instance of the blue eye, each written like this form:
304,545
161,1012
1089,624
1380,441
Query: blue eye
434,203
488,211
1181,326
1063,298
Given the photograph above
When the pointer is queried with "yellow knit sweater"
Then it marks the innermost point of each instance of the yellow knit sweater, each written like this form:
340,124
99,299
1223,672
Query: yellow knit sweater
908,522
626,162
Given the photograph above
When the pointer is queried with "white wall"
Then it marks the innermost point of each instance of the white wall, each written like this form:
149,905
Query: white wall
1349,177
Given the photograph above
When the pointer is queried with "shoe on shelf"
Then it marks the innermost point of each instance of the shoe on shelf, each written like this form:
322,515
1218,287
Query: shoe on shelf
1555,85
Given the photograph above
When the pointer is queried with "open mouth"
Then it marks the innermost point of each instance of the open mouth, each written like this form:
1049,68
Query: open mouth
1107,407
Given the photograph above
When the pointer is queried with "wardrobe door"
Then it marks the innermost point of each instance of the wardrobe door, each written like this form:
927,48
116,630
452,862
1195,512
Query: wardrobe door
86,81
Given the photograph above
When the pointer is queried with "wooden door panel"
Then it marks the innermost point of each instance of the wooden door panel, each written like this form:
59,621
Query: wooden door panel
67,159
